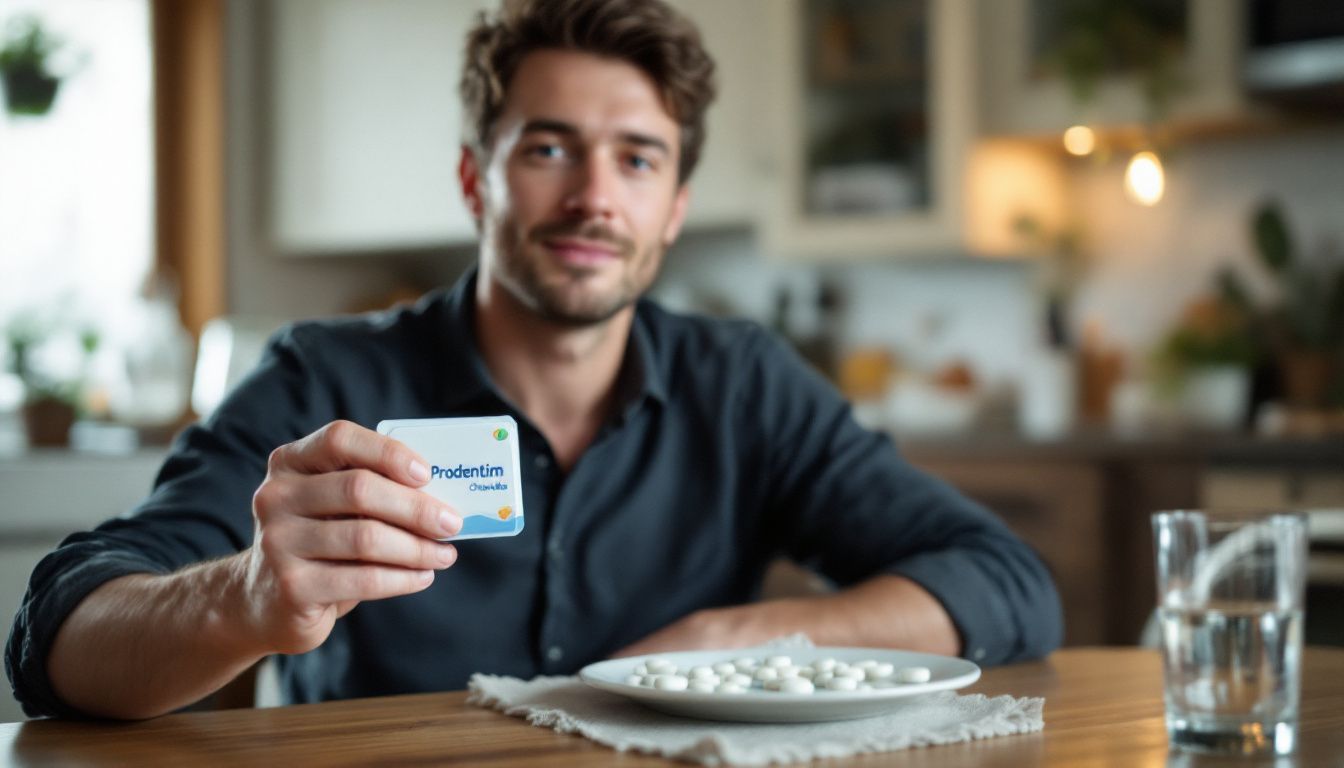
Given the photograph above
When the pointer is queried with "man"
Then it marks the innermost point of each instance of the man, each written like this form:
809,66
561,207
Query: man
666,461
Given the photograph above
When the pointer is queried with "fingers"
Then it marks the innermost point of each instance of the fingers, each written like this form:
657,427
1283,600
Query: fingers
343,584
374,542
362,492
346,445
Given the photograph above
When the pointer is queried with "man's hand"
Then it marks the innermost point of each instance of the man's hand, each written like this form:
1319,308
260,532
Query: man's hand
339,519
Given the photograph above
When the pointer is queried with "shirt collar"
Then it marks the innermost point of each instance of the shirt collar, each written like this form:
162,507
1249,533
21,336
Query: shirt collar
466,379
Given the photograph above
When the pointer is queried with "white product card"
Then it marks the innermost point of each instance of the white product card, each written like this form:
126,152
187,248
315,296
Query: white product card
473,467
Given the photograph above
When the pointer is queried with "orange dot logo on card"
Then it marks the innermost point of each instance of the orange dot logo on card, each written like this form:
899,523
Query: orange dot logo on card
504,512
501,434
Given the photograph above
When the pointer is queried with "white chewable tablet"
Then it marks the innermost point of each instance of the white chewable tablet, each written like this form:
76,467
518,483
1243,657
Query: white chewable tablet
787,672
641,669
766,673
634,679
648,681
703,686
824,665
730,688
671,683
879,671
807,672
913,675
842,684
779,661
839,667
796,685
701,673
725,668
739,679
661,667
746,663
866,663
822,677
854,673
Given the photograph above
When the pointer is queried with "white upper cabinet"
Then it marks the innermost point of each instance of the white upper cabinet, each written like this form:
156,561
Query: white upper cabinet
1020,99
725,188
364,129
869,117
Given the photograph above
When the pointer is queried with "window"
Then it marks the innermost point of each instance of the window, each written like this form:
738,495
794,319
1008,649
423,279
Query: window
76,184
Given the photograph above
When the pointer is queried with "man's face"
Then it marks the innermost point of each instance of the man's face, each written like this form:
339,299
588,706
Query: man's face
579,197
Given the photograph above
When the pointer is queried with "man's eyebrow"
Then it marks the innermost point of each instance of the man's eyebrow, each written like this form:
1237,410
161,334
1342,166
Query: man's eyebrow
645,140
547,125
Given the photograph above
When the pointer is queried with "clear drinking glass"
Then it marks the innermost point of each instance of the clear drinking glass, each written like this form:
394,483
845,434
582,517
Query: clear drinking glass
1230,592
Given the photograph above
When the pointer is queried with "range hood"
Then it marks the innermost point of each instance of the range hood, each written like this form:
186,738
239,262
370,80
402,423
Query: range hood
1295,52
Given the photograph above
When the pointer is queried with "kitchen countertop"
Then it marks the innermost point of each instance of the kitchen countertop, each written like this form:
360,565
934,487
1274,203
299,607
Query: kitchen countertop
1240,450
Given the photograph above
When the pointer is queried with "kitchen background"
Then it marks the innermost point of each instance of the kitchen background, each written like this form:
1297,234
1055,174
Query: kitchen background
1083,258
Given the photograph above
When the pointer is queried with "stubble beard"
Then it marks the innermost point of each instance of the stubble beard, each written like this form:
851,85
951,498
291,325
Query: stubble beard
568,301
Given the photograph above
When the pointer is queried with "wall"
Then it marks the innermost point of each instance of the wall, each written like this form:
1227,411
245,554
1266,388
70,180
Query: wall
1149,262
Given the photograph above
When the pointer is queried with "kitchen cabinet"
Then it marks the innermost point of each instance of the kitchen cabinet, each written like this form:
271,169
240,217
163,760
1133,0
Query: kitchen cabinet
1019,100
870,111
365,124
726,184
365,120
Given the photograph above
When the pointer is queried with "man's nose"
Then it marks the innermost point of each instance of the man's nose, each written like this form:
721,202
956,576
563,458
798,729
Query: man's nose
594,187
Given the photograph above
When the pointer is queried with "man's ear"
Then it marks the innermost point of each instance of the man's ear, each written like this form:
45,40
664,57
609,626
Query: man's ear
679,205
469,176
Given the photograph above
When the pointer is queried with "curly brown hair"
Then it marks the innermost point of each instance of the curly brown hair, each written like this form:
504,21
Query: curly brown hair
646,33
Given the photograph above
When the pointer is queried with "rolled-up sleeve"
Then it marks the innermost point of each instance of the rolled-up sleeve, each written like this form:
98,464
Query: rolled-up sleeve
199,509
851,508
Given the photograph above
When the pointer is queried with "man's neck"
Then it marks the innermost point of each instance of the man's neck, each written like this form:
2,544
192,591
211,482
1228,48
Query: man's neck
564,378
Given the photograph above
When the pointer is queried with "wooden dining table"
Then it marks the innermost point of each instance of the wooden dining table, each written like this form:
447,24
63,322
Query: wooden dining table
1103,707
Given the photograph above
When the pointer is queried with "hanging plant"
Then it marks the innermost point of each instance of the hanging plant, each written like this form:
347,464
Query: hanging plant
30,86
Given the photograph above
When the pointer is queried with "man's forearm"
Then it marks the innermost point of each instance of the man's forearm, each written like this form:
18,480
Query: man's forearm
143,645
883,612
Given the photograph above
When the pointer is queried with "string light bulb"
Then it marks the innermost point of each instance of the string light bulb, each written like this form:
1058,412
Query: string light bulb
1080,140
1145,179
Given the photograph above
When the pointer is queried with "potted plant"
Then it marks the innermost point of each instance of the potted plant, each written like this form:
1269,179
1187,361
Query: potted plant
30,85
1205,363
51,400
1303,329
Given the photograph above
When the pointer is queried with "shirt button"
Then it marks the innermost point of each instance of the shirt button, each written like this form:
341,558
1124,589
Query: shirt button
556,551
542,461
555,653
979,654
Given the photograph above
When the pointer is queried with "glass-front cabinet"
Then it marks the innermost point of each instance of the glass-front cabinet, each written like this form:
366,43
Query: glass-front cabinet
874,103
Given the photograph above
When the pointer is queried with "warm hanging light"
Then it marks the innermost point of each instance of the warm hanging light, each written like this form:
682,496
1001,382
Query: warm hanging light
1080,140
1145,181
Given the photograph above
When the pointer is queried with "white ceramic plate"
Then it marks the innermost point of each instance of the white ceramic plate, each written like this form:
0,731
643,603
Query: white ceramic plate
761,706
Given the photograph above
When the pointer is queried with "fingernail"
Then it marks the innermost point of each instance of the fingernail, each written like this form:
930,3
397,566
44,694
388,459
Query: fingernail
449,523
419,471
447,555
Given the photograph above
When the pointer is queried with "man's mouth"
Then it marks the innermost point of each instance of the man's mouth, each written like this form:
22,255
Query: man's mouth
580,252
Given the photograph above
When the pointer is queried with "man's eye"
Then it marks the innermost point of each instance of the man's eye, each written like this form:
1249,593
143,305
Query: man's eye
641,163
546,151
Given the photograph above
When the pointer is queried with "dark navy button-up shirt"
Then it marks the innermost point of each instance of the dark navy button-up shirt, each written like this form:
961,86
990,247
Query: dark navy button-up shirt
725,452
